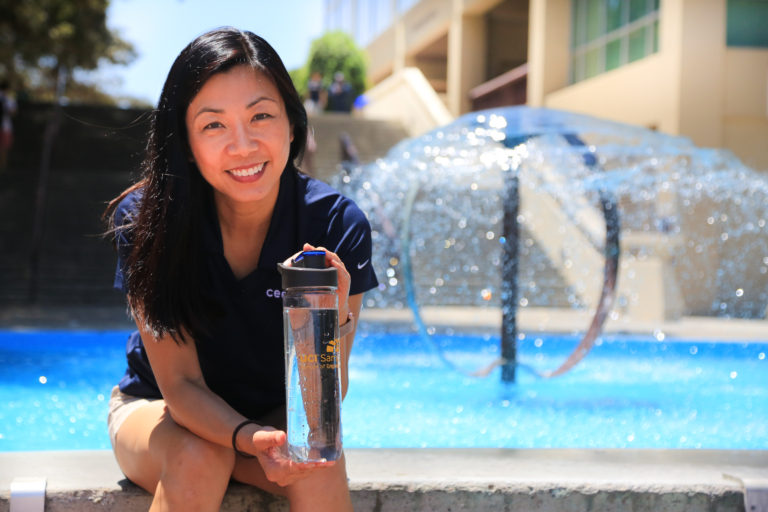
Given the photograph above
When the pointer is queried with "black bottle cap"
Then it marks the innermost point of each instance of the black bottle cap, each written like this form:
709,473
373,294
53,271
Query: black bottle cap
308,270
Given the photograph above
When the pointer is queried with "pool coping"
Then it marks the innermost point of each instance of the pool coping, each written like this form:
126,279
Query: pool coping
445,479
456,318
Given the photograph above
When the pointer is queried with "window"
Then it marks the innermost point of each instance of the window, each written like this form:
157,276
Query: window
746,23
606,34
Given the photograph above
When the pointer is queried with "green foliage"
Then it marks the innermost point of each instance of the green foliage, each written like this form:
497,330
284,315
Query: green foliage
333,52
40,38
300,78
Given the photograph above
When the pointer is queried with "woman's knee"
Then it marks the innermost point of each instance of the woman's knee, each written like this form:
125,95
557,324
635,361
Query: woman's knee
196,459
325,489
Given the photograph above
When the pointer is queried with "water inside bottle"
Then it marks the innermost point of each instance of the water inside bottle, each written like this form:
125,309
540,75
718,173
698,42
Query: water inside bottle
313,390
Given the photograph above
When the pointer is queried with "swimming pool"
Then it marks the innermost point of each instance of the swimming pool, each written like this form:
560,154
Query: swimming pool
629,392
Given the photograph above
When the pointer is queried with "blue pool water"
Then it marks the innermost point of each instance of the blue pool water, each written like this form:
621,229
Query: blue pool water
629,392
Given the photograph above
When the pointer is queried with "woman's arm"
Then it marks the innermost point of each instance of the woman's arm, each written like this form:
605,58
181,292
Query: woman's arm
195,407
190,402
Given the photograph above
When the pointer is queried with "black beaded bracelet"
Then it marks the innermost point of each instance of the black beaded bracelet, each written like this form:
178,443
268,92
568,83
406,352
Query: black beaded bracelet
234,439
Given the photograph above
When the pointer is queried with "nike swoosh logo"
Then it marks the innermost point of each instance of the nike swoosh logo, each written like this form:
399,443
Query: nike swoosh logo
363,264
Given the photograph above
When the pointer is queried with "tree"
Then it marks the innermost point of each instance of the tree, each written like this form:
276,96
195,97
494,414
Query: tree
333,52
43,41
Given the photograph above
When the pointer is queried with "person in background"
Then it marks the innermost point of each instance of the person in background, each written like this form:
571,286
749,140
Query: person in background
315,99
198,238
7,111
340,94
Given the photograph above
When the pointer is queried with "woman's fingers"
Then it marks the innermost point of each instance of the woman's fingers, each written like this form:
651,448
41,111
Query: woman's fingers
268,438
279,468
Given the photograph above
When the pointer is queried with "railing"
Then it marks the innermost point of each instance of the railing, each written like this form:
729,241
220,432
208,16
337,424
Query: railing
504,90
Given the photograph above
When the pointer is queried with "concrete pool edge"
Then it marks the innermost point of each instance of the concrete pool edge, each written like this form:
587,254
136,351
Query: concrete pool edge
443,479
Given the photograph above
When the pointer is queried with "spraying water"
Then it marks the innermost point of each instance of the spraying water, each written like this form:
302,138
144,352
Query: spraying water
698,214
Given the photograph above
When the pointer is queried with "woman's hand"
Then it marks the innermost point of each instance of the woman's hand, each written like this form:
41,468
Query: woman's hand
269,448
332,260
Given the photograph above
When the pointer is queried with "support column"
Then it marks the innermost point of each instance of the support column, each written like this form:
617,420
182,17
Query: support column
467,55
549,48
702,70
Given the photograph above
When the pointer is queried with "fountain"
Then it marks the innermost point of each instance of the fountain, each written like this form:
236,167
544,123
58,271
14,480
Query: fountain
694,239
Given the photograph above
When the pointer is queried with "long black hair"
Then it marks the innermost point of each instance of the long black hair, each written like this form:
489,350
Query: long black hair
164,274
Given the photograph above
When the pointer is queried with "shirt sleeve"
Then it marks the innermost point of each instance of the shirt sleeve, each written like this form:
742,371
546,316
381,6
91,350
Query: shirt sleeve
124,215
355,248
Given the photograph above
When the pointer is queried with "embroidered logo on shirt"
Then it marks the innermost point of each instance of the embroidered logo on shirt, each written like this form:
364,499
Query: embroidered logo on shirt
363,264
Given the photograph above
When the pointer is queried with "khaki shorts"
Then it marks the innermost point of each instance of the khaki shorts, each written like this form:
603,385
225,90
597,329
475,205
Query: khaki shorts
120,407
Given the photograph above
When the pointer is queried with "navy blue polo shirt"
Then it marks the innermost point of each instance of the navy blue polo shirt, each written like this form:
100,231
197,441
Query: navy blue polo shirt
243,359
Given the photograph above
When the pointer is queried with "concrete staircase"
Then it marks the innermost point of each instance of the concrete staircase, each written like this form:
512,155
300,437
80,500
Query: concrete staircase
371,138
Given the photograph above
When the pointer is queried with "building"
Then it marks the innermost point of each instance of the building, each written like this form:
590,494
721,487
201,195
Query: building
694,68
697,68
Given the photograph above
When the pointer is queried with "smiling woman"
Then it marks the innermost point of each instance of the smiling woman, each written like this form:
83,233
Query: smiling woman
220,204
239,135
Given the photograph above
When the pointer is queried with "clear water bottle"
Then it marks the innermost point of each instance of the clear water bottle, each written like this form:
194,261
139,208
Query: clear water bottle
312,358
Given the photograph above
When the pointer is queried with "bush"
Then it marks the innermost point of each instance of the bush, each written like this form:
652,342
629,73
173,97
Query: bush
333,52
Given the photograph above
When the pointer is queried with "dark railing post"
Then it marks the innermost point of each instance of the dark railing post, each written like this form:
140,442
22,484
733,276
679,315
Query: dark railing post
509,279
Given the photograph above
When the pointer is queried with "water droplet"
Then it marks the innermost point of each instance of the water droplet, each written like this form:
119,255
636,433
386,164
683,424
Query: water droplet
538,342
739,292
393,281
761,356
694,350
734,374
710,220
490,235
43,379
486,294
523,301
724,237
659,335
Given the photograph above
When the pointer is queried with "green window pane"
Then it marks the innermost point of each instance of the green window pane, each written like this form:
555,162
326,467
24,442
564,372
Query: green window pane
655,36
746,22
578,68
613,55
613,15
578,33
592,63
637,9
594,19
637,44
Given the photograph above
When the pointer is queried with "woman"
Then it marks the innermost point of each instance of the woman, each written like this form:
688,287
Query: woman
199,238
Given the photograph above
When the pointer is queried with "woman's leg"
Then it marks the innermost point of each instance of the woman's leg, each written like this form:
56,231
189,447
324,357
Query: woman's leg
182,470
325,489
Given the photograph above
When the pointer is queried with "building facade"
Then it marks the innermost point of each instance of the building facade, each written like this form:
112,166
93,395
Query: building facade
696,68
